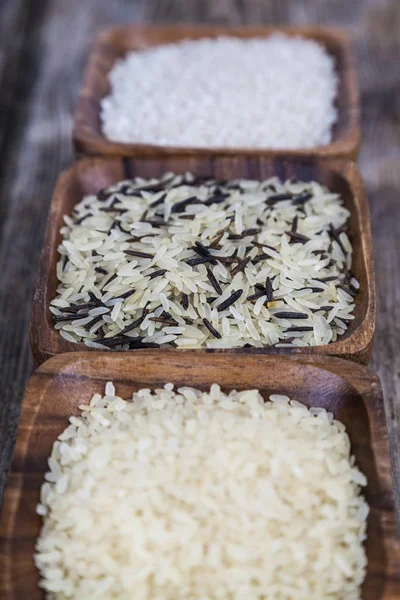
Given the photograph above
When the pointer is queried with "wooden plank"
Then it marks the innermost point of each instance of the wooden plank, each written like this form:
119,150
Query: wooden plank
39,147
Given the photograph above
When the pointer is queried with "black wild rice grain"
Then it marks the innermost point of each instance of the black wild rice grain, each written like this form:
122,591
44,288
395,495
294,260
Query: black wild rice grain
302,198
136,323
257,295
162,320
262,246
158,202
138,253
185,301
213,281
85,305
240,267
69,310
335,234
217,239
125,295
253,231
126,190
117,340
348,290
297,237
269,290
326,279
235,186
260,257
74,317
144,215
229,301
216,199
114,225
200,260
228,260
104,194
101,270
112,209
112,278
137,238
81,219
353,288
278,198
141,345
95,299
154,222
290,315
294,224
212,329
293,329
93,322
203,250
313,289
157,273
180,206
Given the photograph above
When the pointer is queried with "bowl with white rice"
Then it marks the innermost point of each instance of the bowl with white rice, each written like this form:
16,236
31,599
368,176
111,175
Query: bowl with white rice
245,255
214,89
230,477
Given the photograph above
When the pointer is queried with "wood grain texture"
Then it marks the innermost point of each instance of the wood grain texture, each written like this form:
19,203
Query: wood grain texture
60,385
43,51
113,44
91,175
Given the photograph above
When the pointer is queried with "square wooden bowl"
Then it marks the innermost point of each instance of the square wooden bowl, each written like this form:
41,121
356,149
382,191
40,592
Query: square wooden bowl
55,391
112,44
92,174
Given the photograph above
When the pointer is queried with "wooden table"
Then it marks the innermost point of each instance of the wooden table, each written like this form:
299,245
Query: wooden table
43,49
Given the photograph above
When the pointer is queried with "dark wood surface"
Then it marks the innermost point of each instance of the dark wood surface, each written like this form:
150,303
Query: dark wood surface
90,175
113,43
348,390
43,50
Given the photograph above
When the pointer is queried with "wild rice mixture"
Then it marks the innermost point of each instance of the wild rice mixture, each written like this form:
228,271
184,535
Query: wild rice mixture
193,262
190,495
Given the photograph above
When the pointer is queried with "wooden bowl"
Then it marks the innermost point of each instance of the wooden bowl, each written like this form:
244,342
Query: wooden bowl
55,391
92,174
112,44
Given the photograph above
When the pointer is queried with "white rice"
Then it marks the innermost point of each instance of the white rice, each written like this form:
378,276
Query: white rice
190,495
275,92
142,276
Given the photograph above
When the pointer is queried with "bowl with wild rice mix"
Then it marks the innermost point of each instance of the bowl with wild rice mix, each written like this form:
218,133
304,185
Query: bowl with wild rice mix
191,262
